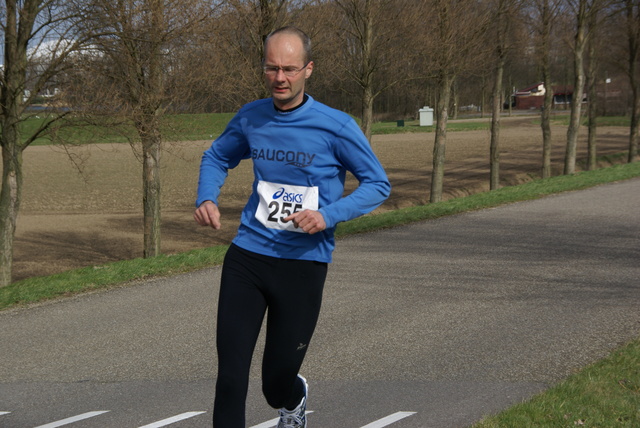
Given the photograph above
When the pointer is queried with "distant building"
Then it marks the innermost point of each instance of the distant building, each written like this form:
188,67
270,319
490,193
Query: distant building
532,97
529,98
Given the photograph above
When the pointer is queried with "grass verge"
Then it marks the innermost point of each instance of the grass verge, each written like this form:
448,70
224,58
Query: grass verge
176,127
605,394
32,290
64,284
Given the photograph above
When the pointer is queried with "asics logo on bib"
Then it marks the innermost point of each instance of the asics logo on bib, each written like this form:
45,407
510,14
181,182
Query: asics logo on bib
289,157
288,197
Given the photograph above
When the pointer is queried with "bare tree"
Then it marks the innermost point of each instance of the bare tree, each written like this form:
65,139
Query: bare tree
504,11
131,55
594,48
583,11
544,20
580,10
240,29
41,31
369,30
454,36
592,108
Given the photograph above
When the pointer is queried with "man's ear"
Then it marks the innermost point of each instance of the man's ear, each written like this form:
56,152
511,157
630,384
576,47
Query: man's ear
308,70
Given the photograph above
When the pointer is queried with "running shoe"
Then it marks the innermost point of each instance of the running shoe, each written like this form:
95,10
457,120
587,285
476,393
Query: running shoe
296,418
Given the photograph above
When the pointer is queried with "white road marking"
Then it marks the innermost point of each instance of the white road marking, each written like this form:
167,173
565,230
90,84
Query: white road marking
273,422
389,420
380,423
173,419
73,419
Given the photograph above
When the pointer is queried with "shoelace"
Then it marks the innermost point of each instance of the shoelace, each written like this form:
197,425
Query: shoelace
291,420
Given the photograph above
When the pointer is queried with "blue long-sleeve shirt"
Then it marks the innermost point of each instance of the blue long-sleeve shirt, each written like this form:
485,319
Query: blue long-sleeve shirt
300,160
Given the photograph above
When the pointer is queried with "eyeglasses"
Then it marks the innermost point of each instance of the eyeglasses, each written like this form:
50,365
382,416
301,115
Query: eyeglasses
288,70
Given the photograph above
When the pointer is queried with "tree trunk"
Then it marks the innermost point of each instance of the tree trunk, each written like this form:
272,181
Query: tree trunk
545,119
545,116
502,23
482,99
11,91
152,149
508,94
494,157
367,71
578,91
439,145
9,201
367,111
151,136
545,124
592,97
269,10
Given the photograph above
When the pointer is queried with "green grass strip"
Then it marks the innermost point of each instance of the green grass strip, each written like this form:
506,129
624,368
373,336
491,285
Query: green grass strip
604,394
67,283
37,289
194,127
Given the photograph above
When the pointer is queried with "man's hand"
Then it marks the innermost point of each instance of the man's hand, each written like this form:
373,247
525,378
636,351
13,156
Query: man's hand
308,220
207,214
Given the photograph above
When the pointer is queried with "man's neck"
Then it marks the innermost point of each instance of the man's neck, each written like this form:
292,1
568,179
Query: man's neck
304,100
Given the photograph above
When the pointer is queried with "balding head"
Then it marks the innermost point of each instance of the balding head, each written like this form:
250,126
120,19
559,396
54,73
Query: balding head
292,31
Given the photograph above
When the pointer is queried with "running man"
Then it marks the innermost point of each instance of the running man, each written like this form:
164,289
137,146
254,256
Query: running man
277,264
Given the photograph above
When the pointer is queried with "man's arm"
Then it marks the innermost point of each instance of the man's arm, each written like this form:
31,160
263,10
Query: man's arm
225,153
354,152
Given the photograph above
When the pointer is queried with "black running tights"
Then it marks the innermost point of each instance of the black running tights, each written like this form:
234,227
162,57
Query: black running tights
251,283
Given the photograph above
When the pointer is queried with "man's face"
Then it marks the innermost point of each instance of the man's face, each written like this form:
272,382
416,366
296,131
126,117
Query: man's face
286,51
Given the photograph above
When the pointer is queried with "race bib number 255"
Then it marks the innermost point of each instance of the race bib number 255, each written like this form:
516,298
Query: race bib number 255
278,201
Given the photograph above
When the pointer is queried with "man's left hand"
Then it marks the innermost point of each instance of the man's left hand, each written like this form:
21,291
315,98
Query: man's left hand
308,220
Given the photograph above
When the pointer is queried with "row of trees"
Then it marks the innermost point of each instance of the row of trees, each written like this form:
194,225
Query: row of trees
127,63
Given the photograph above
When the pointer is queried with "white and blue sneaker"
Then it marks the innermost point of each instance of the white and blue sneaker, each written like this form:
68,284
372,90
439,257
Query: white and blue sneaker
296,418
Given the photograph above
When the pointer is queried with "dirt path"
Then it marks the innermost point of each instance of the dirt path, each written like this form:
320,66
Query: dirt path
70,220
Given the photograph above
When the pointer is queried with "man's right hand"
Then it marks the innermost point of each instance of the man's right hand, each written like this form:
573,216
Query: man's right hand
207,214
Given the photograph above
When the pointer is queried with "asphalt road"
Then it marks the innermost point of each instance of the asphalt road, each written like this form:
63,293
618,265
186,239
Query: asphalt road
446,320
